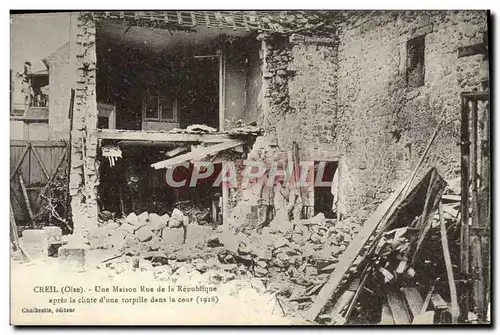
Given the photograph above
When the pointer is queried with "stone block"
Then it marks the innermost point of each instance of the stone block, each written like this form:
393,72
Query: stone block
143,218
144,234
177,215
34,243
72,258
197,235
133,220
172,236
157,222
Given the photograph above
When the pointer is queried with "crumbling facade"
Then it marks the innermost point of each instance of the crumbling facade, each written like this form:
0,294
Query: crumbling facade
342,89
338,160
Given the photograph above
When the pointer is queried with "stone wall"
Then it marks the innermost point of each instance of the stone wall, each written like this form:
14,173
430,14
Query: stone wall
385,124
84,168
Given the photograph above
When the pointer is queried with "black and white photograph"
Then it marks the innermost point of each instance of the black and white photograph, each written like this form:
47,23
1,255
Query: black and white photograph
250,167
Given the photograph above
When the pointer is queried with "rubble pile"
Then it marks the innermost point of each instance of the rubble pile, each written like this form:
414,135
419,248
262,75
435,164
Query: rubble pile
294,258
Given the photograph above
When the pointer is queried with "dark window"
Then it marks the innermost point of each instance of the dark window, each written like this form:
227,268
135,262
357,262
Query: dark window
415,61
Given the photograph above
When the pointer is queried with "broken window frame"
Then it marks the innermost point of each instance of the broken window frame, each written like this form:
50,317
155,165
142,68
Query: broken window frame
415,61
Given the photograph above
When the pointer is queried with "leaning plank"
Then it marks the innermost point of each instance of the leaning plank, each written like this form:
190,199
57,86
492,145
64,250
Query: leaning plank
176,151
413,299
350,254
426,151
26,199
397,306
196,155
455,311
386,315
343,301
44,190
15,236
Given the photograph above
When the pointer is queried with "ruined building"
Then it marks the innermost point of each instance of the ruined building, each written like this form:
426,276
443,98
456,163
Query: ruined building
360,90
364,97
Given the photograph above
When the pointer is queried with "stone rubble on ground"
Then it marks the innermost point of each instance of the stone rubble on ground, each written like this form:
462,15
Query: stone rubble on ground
287,257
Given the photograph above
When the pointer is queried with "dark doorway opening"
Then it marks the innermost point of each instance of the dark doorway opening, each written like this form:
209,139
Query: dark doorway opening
324,171
132,185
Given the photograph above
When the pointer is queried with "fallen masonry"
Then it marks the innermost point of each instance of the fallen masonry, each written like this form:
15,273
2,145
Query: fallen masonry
320,270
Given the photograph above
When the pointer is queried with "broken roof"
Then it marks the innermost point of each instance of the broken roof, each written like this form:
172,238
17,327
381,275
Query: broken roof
268,21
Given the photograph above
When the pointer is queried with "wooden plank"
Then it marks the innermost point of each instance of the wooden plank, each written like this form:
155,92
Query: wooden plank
41,163
26,199
438,302
464,180
425,212
451,197
54,173
424,154
386,315
196,155
426,318
176,151
134,135
38,143
398,309
342,302
476,257
351,253
455,311
413,299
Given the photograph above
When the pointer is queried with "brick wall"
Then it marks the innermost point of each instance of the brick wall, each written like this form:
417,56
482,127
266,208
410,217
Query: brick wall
385,125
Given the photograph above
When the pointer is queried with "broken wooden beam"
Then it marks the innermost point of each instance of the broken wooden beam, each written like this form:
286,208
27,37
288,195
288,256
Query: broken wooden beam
196,155
350,254
176,151
386,314
156,136
26,198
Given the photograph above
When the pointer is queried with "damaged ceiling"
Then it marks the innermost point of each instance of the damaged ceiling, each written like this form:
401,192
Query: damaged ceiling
159,40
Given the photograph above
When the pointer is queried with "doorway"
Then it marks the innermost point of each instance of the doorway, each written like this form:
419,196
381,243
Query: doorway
324,172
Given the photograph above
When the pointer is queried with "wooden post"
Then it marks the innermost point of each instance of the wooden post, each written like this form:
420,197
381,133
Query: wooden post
222,119
455,311
465,152
476,261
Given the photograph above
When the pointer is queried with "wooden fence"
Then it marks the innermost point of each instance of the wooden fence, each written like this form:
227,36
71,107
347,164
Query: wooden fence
33,166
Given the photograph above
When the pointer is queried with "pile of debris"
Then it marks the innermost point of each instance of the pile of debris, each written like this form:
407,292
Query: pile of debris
399,257
149,231
294,257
